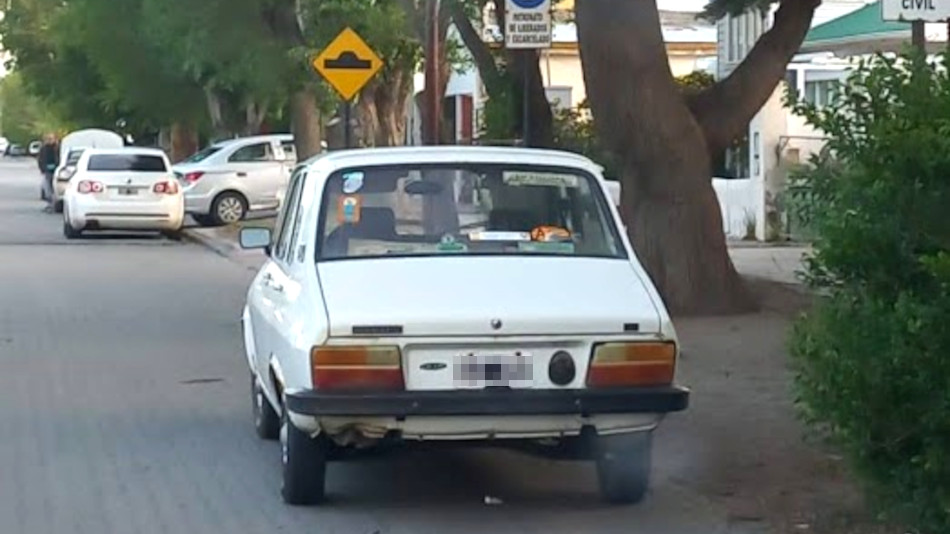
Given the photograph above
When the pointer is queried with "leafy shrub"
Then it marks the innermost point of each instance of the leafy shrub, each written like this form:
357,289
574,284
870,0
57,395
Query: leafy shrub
872,359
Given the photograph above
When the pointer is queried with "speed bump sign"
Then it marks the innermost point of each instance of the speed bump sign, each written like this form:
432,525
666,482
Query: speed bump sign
348,64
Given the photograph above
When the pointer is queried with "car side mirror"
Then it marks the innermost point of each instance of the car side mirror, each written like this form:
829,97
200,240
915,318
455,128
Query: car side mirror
256,238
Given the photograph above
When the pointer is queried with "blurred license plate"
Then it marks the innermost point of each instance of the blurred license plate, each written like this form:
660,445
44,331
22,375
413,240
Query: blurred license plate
128,191
493,370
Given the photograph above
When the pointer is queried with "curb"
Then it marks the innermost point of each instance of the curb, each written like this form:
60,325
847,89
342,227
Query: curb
219,246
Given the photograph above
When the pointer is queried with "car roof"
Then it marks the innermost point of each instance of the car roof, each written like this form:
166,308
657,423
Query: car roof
335,160
252,139
145,151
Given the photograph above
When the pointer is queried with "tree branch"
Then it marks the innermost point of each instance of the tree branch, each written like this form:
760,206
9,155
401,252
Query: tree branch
724,110
481,53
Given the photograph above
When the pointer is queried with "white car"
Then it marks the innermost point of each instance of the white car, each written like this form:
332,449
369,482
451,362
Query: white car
231,178
448,294
123,189
70,148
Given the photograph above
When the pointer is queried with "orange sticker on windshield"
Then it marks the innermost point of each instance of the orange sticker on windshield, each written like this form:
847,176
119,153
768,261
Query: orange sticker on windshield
348,209
550,233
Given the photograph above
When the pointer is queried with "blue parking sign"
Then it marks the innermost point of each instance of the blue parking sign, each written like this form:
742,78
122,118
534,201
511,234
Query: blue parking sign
528,4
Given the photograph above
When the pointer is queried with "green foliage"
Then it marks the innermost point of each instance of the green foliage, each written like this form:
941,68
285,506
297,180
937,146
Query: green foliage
25,116
871,359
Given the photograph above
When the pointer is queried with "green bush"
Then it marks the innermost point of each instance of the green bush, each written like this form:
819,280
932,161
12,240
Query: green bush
872,359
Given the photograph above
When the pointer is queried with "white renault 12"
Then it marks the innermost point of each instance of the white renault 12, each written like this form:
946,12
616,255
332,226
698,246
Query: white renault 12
456,294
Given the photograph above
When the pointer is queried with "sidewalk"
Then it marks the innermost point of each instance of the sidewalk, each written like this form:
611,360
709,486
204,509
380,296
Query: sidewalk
776,263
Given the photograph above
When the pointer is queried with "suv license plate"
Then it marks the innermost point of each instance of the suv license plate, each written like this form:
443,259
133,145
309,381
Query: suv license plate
493,370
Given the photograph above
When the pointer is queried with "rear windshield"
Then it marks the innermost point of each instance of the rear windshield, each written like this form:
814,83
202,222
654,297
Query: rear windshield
127,162
73,157
470,209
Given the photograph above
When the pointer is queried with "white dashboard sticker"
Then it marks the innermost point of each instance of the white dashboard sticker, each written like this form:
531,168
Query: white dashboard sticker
352,182
543,179
500,236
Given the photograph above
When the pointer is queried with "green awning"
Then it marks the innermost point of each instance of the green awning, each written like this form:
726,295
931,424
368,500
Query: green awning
866,23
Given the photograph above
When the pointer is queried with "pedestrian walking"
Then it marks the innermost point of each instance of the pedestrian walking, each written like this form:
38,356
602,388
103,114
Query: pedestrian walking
48,160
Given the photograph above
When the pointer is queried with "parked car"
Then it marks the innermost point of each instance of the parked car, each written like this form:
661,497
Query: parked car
70,148
456,293
35,147
231,178
123,189
17,151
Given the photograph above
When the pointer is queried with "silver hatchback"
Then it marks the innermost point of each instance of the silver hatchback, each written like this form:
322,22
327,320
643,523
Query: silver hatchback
229,179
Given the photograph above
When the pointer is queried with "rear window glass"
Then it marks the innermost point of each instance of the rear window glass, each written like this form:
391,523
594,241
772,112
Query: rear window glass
73,157
127,162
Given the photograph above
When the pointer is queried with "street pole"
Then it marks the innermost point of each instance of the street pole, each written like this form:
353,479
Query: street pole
919,36
433,101
347,125
526,99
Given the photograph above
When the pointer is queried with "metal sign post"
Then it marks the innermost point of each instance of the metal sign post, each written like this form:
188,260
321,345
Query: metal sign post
918,13
528,27
347,64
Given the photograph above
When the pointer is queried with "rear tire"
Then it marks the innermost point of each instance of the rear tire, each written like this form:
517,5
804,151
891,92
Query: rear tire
172,235
69,231
228,208
266,421
623,466
304,461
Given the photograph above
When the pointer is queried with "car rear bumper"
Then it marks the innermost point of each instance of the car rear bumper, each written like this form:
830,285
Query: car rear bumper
199,203
490,402
166,214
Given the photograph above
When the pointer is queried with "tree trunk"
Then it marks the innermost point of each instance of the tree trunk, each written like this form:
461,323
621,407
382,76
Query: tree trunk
541,119
670,208
184,139
305,123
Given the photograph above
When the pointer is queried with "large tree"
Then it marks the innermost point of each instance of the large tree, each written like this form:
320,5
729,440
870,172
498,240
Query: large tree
663,139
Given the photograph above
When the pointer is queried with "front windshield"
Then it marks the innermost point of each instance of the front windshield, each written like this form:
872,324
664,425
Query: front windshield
202,155
472,209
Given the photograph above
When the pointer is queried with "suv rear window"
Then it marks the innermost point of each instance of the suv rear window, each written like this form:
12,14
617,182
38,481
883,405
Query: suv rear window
127,162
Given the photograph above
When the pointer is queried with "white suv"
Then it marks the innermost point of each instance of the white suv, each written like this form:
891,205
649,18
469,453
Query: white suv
225,181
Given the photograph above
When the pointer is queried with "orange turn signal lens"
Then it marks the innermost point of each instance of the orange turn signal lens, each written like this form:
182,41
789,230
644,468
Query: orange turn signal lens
365,368
632,364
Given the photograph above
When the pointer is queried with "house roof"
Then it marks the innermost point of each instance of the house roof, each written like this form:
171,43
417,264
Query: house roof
865,31
864,22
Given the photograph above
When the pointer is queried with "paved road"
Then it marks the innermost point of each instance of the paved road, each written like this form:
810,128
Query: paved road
124,409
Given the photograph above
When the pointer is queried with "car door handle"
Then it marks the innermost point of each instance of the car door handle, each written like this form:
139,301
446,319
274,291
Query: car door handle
242,175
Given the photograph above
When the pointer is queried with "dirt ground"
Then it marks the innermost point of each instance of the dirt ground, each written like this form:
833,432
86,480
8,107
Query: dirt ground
750,452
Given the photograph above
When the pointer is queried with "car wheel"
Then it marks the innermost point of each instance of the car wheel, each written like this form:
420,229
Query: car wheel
69,231
228,208
623,466
266,421
304,461
58,206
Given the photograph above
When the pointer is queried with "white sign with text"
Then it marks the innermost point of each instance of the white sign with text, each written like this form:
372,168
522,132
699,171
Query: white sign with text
914,10
528,24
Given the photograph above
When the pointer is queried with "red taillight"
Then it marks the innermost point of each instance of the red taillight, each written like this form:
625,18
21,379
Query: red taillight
632,364
364,368
193,177
166,188
89,186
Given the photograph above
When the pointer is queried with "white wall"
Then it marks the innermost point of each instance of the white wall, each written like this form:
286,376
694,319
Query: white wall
737,204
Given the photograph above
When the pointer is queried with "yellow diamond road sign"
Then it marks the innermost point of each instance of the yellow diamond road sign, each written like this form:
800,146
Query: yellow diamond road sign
348,63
